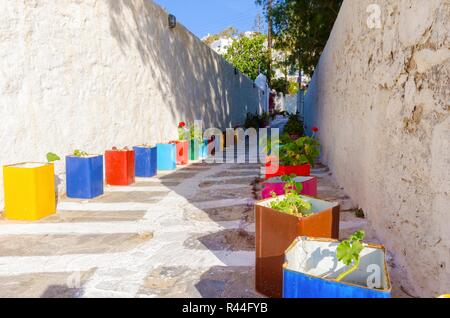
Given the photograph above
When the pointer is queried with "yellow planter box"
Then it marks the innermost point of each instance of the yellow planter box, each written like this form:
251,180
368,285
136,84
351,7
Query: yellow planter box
29,191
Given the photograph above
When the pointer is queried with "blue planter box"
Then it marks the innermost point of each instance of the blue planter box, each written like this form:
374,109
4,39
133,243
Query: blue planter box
311,269
84,177
203,150
145,161
166,154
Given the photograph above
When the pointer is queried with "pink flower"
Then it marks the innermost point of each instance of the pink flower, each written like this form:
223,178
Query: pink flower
315,129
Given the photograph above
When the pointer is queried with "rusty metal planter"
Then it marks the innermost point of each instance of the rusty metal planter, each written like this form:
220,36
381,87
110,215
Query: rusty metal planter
275,232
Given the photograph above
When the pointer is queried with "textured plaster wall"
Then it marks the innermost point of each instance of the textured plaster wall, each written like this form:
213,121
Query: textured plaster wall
92,74
381,98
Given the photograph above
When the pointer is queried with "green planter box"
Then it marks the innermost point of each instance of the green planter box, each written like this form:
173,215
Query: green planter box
194,147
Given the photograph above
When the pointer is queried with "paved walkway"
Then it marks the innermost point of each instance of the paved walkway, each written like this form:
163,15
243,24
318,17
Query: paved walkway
188,233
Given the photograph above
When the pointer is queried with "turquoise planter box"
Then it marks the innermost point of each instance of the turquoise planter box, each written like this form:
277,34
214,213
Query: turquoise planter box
193,149
166,157
203,150
311,268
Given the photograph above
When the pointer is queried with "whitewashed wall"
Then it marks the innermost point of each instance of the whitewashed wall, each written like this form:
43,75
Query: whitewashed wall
381,98
93,74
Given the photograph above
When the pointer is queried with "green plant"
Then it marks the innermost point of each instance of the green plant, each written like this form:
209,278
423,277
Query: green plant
298,152
256,121
292,203
349,251
249,55
52,157
294,126
80,153
301,28
195,133
182,133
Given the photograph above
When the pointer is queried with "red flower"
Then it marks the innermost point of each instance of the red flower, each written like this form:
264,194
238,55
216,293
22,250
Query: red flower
315,129
181,124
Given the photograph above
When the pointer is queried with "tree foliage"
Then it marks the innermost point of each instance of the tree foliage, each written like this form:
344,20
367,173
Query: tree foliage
301,28
249,55
281,85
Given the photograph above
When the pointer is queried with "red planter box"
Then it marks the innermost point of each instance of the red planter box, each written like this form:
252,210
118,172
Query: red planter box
119,165
272,170
182,151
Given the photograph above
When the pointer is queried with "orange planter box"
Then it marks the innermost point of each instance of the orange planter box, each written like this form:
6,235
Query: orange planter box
119,165
182,151
275,231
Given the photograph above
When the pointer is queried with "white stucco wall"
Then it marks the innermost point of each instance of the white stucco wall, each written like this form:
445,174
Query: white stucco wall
93,74
381,98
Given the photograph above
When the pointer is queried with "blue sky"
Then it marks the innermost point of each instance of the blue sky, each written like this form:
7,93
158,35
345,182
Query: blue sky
212,16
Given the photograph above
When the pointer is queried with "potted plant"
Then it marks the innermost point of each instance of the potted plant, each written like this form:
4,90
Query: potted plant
195,139
145,161
295,157
120,166
294,127
307,185
166,156
30,189
84,175
203,149
182,145
279,221
324,268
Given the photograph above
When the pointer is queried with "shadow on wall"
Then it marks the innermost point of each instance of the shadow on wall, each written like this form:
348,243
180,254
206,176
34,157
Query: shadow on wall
195,82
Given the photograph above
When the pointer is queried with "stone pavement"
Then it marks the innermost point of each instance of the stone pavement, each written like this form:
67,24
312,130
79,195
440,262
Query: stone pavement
188,233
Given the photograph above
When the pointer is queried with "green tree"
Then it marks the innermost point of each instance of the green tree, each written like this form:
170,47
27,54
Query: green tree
249,55
301,28
281,85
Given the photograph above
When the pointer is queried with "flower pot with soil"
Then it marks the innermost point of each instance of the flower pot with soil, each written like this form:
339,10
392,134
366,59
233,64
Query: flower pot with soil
120,166
203,149
295,157
145,161
166,157
279,221
314,268
195,140
182,144
182,151
84,175
29,191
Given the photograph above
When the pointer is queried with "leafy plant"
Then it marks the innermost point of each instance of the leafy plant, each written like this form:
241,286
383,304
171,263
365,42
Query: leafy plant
52,157
195,133
80,153
348,252
298,152
292,203
256,121
294,126
182,133
301,28
249,55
